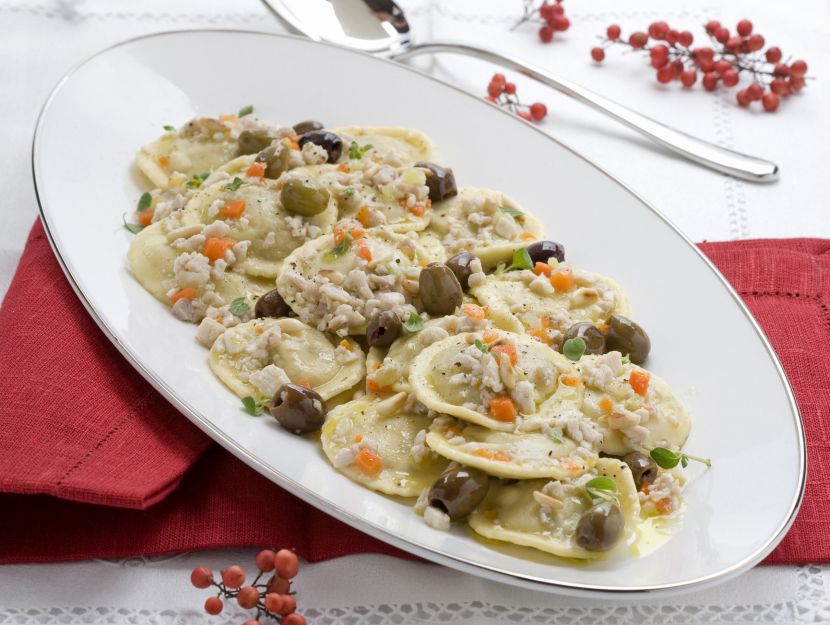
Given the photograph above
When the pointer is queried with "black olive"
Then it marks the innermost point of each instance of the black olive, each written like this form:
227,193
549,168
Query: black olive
271,304
439,289
298,409
643,468
383,329
276,161
253,141
600,527
440,180
460,266
624,336
329,141
542,251
588,332
307,126
459,491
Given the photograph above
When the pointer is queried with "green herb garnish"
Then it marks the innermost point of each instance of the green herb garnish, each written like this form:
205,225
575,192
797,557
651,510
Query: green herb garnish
348,192
557,437
233,185
510,211
574,348
602,487
134,228
668,459
169,128
357,152
144,202
341,248
414,323
626,360
482,347
239,307
245,110
521,260
254,407
196,180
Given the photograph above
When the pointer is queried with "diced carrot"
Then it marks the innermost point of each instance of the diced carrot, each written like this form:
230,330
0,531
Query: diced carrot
501,456
293,144
304,382
418,209
603,327
164,160
368,462
562,280
215,248
232,119
638,379
357,233
490,336
295,138
572,467
540,334
373,386
363,250
542,268
508,349
256,170
358,438
344,168
454,430
503,409
527,236
220,319
663,505
145,218
233,209
605,404
259,330
364,216
346,345
186,293
571,380
476,312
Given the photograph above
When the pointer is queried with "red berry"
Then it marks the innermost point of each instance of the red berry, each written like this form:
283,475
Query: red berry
755,43
538,111
744,28
773,54
498,79
722,66
265,560
721,35
558,9
287,564
658,30
273,602
252,621
278,584
201,577
294,619
638,40
659,56
685,38
733,43
676,68
781,70
524,115
598,54
233,576
560,22
798,68
213,605
730,78
707,54
688,77
665,74
248,597
796,83
755,91
743,98
712,26
770,102
779,86
510,88
494,91
710,81
613,32
289,604
546,11
546,33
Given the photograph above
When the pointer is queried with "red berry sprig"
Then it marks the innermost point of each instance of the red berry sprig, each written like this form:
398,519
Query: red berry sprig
272,599
551,16
723,62
503,93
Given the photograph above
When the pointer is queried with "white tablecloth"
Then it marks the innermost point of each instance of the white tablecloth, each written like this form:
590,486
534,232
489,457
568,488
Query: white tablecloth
40,40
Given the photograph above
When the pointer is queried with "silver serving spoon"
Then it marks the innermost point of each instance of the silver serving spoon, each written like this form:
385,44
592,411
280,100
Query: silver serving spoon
380,27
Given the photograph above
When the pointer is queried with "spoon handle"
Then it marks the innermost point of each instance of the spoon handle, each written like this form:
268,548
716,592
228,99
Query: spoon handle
697,150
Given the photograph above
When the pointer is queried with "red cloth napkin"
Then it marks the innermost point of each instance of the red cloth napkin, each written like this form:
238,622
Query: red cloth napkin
79,427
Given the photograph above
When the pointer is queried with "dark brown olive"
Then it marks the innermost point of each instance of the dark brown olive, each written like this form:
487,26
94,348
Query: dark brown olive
329,141
460,266
642,467
298,409
307,126
439,289
542,251
383,329
253,141
276,161
459,491
600,527
440,180
625,336
271,304
588,332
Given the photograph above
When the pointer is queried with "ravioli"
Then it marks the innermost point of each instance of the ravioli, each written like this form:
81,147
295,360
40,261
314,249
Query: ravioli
380,444
522,301
512,512
499,380
509,454
338,281
484,222
391,144
631,421
255,358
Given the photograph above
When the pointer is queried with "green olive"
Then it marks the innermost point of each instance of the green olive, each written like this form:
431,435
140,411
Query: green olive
307,126
625,336
383,329
643,468
588,332
275,160
600,527
253,141
304,196
298,409
439,289
459,491
460,266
